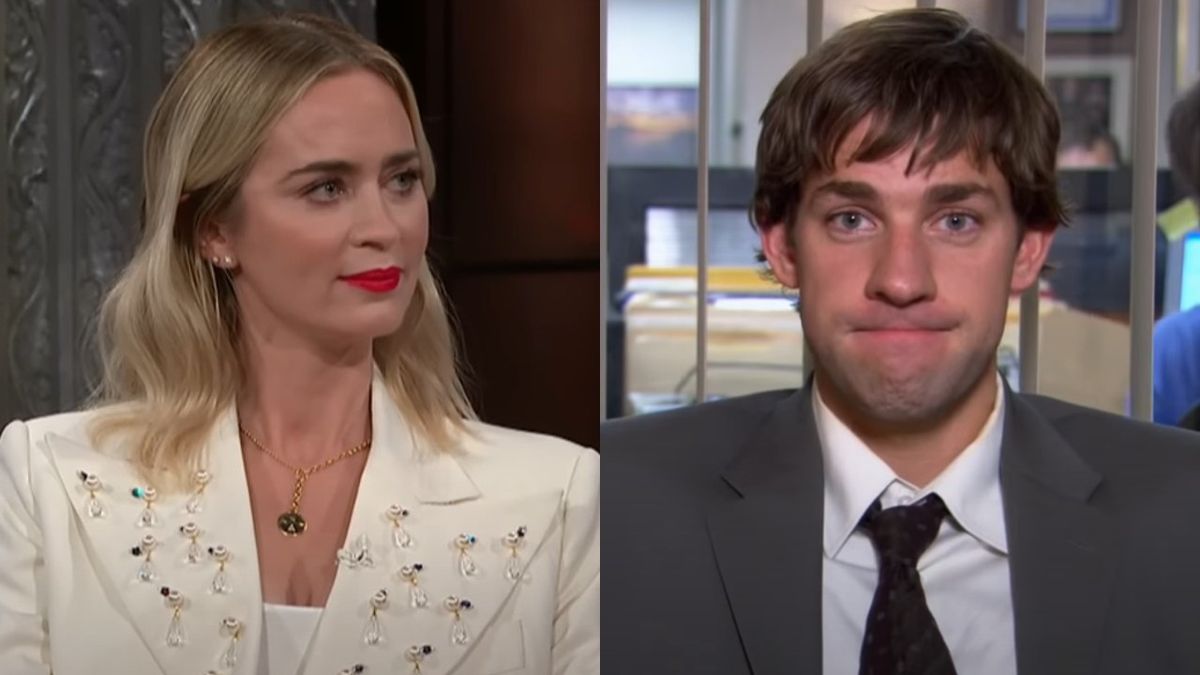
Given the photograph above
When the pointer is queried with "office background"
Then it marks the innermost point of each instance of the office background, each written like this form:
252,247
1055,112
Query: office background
687,323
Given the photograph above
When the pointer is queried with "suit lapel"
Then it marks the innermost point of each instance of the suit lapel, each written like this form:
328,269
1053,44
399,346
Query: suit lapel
442,501
1061,561
222,518
766,535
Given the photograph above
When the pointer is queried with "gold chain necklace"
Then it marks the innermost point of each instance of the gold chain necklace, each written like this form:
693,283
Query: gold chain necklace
291,523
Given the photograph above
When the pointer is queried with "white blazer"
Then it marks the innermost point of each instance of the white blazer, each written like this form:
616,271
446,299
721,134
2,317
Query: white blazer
71,602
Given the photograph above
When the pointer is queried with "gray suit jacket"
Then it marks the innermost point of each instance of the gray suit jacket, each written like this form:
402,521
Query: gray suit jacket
712,540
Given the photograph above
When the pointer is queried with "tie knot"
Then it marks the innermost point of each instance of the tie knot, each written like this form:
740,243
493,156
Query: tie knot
902,533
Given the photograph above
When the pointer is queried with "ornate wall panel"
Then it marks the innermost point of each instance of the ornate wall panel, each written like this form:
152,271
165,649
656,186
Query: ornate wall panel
106,128
79,81
27,359
180,30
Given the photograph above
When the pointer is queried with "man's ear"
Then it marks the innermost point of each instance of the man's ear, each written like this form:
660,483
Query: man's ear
1031,257
780,252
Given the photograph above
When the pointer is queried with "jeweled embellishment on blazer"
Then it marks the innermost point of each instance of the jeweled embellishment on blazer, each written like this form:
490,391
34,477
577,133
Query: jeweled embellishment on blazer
373,635
175,602
220,581
195,553
401,537
357,554
148,495
513,541
416,655
458,628
146,571
93,506
466,564
200,480
231,628
416,596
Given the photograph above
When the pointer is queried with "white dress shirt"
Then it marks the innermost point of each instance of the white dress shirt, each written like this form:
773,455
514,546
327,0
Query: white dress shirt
964,572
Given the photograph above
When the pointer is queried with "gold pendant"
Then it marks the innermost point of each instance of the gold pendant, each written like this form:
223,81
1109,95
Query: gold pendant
292,524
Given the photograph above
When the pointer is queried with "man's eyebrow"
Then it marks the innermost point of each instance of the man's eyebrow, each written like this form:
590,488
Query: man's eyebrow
850,189
341,166
951,193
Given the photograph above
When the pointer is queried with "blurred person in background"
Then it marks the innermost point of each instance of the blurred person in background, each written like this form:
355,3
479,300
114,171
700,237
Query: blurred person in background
1086,143
1177,336
281,473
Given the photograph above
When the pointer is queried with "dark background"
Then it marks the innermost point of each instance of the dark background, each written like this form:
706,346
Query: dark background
510,97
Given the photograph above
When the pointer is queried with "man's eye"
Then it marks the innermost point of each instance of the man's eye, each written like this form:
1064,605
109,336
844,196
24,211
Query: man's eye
959,222
849,220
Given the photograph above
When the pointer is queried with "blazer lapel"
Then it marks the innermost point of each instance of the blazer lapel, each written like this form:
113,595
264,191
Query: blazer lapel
1060,549
221,514
442,501
766,535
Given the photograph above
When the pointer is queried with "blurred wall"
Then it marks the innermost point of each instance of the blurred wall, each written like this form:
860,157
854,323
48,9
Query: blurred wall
510,94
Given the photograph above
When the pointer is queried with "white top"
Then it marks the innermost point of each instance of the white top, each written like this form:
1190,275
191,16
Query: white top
287,630
964,572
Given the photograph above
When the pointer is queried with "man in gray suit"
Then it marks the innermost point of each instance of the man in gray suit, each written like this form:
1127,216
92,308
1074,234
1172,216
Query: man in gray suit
904,512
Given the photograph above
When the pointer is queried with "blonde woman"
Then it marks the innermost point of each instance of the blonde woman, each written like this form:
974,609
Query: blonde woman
282,474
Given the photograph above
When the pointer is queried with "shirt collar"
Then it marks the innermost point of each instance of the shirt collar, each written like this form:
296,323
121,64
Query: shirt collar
855,476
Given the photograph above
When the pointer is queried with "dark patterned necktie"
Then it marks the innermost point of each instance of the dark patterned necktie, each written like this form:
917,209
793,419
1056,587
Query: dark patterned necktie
901,637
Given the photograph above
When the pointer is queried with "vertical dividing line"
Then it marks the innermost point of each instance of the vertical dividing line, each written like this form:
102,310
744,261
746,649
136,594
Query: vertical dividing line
702,125
814,35
1145,176
1028,348
603,208
1183,45
816,20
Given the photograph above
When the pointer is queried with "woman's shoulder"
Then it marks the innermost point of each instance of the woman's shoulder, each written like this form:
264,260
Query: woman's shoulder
533,457
484,436
68,428
26,446
72,425
25,452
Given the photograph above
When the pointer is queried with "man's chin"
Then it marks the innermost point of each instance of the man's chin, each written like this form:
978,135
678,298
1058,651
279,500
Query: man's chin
912,400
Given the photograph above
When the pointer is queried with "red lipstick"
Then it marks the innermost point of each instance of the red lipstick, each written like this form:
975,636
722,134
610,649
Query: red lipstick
379,280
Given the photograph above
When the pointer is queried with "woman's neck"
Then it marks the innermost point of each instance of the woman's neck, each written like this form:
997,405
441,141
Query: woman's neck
303,405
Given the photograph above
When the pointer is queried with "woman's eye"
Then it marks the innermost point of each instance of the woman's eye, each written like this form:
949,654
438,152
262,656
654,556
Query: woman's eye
406,180
325,191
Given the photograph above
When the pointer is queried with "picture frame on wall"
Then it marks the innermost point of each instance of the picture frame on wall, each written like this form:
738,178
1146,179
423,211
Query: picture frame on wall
1076,16
1095,89
652,125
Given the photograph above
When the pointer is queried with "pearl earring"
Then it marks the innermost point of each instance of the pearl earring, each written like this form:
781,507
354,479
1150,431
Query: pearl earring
228,261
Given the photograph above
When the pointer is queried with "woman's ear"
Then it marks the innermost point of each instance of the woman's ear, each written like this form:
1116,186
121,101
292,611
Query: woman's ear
212,236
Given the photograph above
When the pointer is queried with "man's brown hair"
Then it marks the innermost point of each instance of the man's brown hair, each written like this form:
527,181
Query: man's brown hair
922,77
1183,140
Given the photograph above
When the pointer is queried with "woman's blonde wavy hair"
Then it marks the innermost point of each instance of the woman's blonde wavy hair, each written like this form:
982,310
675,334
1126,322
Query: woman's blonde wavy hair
168,329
